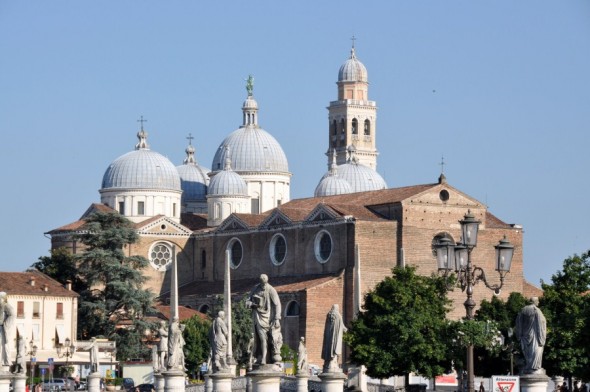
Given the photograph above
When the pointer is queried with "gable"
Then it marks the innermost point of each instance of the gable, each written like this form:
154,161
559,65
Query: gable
162,226
443,195
232,223
322,213
276,219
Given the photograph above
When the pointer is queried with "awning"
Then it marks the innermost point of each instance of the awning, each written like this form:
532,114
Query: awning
61,335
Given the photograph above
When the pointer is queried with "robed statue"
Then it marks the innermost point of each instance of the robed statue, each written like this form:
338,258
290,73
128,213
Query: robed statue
218,336
531,331
332,346
266,316
302,366
6,321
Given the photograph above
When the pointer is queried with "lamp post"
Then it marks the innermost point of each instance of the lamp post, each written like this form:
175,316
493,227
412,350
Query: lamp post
31,353
468,275
66,350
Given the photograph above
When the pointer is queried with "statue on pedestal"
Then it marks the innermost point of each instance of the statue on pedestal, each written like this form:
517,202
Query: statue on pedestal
302,365
332,346
175,346
6,321
531,331
266,314
162,345
21,360
92,348
218,336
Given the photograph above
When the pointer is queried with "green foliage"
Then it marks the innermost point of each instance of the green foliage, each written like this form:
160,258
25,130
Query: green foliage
61,266
503,313
566,307
197,347
403,328
114,283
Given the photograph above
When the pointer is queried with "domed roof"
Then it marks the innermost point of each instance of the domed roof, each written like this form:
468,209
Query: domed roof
141,169
227,183
360,177
332,185
352,70
193,177
252,148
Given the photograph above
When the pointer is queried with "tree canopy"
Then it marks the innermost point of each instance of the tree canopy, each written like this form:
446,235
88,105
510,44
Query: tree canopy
566,306
196,348
61,266
403,327
114,303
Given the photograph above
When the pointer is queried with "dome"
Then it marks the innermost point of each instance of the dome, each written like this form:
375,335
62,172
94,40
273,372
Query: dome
332,185
227,183
141,169
250,103
193,177
352,70
361,178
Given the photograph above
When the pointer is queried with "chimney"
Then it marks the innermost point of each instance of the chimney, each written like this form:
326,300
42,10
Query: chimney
69,285
32,280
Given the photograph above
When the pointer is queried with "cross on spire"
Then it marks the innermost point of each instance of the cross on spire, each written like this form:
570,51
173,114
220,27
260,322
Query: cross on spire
190,138
442,165
353,39
141,120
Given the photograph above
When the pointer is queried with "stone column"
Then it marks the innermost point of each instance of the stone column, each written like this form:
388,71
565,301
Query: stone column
266,379
5,378
332,381
20,382
302,379
174,380
208,383
221,381
159,382
534,382
93,382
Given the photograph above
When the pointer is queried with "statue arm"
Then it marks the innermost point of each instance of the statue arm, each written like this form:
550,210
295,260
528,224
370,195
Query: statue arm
9,318
276,301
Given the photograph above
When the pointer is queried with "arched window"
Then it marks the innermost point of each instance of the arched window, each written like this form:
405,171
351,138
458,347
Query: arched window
235,252
334,127
203,259
367,127
342,126
292,309
355,126
204,309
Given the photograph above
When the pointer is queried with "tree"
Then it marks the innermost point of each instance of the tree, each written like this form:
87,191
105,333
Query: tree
114,295
566,307
61,266
403,328
503,313
196,348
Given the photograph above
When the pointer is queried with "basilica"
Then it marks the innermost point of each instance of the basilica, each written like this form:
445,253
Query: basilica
329,248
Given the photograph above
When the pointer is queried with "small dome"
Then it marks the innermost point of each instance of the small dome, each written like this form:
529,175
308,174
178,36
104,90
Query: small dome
193,177
227,182
352,70
360,177
250,103
332,185
141,169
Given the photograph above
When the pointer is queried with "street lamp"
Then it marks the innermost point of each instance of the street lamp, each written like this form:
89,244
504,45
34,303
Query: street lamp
31,353
66,350
469,275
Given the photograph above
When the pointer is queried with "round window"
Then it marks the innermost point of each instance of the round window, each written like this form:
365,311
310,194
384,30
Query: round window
323,246
161,256
278,249
235,251
444,195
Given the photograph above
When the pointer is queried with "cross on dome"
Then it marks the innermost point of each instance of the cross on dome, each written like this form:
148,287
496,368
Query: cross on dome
142,136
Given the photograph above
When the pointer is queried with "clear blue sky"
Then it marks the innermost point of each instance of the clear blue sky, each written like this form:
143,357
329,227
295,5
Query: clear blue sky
500,88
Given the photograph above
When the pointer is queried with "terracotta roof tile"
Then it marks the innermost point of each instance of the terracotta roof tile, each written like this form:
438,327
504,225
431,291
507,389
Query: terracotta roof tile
194,221
493,222
184,313
529,290
19,283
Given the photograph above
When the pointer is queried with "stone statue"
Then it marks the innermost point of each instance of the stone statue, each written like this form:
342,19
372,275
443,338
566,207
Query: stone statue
155,359
175,346
302,367
218,336
92,348
162,345
250,85
6,321
21,360
266,314
531,331
250,349
332,346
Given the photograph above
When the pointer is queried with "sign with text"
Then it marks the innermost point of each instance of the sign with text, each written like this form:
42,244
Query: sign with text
506,383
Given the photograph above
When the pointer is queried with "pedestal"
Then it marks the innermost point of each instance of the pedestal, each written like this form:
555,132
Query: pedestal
534,382
222,381
332,381
267,378
19,382
174,381
302,382
5,378
208,383
159,382
357,379
93,381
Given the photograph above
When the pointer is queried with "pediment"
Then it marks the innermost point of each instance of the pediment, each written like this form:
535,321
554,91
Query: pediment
275,219
232,223
321,213
162,226
444,194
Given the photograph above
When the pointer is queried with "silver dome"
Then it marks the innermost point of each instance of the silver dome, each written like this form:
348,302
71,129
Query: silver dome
227,183
252,149
332,185
141,169
193,181
352,70
361,178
